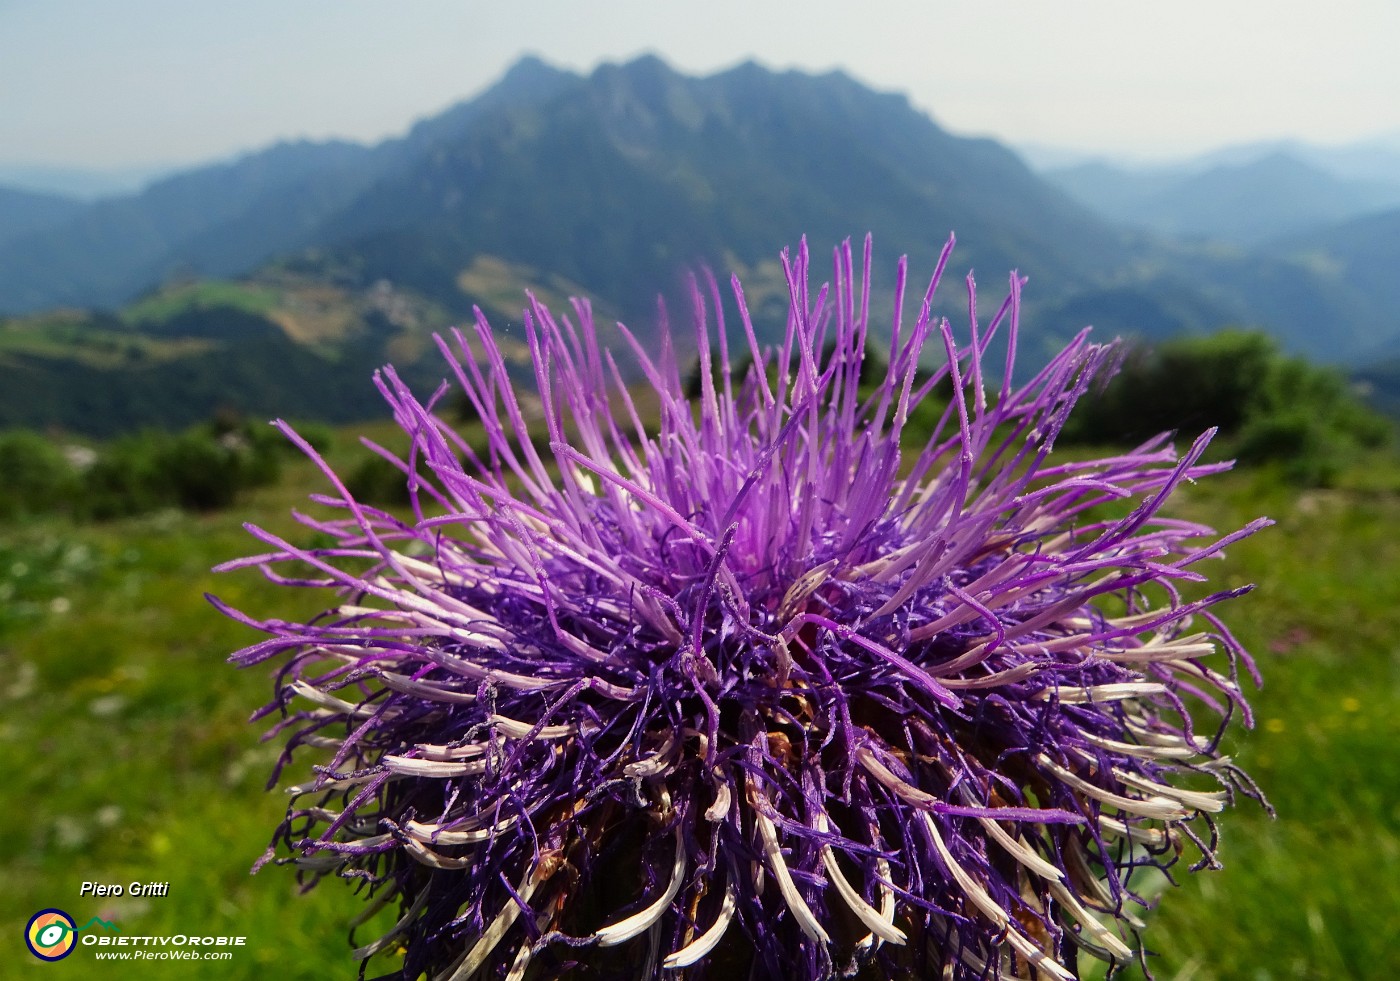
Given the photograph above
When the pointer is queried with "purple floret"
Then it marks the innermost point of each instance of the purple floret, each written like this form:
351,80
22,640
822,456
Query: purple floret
750,692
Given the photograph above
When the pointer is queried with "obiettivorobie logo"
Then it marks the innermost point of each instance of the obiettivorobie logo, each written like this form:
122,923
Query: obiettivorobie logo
51,936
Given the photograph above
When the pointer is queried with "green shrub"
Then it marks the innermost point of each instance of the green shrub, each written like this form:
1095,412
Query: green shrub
35,475
377,481
1270,408
200,469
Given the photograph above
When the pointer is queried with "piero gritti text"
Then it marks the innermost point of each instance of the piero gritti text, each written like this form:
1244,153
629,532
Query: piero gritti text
146,889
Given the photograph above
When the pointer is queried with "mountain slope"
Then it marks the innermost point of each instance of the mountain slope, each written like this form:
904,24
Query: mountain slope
1361,255
622,178
25,212
278,345
216,220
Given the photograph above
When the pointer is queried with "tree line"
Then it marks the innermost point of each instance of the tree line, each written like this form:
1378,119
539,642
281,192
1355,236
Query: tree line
201,468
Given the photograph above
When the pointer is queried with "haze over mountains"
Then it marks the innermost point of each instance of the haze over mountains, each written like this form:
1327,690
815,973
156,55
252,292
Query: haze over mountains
612,184
1245,201
82,183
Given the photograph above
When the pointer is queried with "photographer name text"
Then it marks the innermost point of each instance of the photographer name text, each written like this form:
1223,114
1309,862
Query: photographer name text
130,889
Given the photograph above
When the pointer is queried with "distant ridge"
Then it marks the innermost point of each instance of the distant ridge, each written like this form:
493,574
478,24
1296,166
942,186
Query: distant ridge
219,220
81,183
1246,202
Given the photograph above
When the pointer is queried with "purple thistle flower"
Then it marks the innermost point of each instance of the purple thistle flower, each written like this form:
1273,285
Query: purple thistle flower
750,692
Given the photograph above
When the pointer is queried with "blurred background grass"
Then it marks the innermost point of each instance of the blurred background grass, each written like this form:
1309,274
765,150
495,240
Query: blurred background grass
129,753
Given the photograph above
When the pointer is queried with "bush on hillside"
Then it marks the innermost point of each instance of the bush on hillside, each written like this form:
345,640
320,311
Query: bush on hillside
202,468
35,475
1271,408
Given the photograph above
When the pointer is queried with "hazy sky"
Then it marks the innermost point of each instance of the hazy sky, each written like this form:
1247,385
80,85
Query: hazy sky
106,84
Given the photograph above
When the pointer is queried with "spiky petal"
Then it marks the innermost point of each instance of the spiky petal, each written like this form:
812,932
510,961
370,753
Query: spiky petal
749,688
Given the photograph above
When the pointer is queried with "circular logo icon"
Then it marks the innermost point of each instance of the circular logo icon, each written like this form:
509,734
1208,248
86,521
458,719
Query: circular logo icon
50,935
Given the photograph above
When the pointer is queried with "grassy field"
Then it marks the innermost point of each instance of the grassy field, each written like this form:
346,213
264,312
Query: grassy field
75,336
170,301
124,737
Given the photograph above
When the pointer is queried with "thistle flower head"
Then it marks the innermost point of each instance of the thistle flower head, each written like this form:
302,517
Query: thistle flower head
748,684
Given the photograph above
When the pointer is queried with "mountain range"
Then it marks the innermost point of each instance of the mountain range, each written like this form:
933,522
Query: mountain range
1248,201
609,185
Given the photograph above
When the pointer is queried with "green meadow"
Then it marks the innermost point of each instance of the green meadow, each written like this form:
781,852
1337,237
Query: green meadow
129,758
